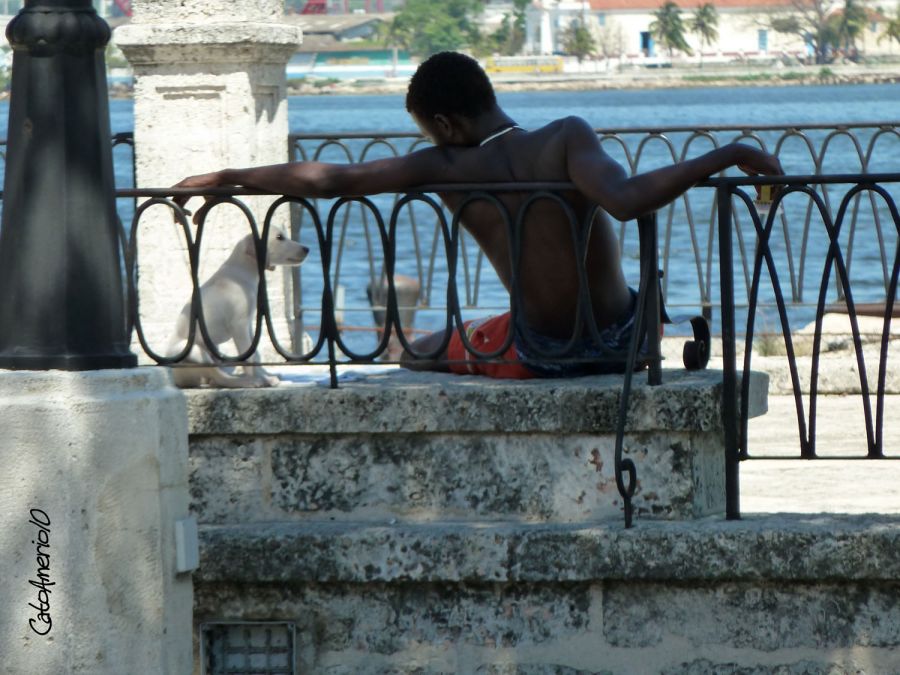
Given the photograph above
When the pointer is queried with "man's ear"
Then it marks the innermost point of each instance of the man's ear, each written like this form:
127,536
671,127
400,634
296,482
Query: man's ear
444,125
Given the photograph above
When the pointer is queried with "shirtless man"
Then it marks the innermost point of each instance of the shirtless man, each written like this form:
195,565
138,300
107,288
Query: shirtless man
452,101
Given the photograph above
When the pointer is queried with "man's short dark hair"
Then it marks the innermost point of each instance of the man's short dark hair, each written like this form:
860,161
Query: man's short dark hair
450,83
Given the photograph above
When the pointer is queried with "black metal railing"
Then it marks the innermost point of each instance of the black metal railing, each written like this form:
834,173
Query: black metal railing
688,226
736,235
330,345
731,196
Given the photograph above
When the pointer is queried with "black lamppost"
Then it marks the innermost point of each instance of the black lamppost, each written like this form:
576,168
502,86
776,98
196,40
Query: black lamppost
61,278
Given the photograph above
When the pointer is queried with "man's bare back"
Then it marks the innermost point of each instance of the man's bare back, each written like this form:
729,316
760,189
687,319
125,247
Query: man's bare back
548,265
475,141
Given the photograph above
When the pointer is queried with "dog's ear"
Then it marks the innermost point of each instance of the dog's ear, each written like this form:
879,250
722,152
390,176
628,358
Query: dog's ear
249,246
250,250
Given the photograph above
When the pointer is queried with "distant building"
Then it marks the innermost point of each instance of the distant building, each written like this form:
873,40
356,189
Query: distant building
621,28
324,32
345,45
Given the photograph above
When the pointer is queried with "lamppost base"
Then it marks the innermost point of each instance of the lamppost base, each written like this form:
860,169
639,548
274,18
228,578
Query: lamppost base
70,362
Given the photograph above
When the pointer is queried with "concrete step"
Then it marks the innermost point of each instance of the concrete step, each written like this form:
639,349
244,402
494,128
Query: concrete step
769,594
428,447
787,547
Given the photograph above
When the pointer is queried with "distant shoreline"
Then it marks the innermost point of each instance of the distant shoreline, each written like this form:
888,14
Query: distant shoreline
637,79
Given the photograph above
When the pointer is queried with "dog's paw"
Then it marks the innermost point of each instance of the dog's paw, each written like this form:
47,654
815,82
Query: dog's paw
263,382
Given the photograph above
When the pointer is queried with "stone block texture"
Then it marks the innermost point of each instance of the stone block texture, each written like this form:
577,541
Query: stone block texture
420,448
769,594
422,524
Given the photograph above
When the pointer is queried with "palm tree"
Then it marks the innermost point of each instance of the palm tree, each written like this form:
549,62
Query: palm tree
892,29
668,29
853,22
705,23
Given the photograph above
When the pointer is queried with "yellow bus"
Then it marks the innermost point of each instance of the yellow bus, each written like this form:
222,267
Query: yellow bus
524,64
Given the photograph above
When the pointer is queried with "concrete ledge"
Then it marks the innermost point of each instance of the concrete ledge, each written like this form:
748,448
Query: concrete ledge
427,447
422,524
402,401
787,547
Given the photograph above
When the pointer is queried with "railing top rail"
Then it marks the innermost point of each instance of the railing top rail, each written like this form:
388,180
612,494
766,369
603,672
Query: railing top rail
623,130
743,128
549,186
821,179
437,187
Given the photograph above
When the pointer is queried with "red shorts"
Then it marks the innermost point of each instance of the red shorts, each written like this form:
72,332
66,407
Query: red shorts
486,335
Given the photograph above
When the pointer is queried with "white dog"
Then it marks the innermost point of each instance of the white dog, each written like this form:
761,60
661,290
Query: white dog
229,302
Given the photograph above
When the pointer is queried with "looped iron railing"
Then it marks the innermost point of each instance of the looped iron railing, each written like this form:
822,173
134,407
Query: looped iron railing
644,346
733,200
688,225
834,264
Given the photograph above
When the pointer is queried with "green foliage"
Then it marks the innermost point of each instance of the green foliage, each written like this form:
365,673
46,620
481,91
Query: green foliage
578,41
325,82
789,76
509,38
705,23
853,22
668,29
892,29
747,77
315,82
114,58
811,20
789,25
424,27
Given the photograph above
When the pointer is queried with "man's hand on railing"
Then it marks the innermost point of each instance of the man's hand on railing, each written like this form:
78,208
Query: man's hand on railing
202,181
755,162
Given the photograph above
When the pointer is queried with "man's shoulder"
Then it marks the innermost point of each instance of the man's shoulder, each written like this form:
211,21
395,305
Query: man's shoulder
568,123
564,127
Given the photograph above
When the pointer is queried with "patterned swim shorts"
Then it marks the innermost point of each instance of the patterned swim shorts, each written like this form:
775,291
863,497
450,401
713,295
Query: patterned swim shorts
586,357
523,358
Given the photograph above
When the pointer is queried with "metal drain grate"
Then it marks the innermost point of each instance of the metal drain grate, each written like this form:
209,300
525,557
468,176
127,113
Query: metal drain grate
247,648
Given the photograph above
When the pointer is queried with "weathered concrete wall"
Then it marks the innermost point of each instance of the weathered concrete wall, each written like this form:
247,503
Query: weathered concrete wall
411,523
764,595
426,447
94,478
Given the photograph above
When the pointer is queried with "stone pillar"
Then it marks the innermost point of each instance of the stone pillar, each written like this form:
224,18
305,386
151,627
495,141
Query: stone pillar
94,482
209,93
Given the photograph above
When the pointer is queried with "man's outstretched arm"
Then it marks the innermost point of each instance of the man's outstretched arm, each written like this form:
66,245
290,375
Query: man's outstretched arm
625,197
320,179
